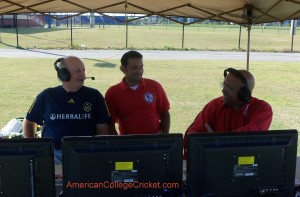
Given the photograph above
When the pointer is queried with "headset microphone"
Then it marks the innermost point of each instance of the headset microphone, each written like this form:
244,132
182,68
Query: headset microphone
92,78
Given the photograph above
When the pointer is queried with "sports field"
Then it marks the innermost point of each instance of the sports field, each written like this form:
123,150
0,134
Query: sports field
165,37
189,85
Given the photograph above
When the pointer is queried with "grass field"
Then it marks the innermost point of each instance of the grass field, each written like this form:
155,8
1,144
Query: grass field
196,37
189,85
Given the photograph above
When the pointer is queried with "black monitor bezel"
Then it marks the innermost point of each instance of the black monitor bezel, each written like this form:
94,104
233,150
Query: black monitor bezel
148,138
39,152
212,142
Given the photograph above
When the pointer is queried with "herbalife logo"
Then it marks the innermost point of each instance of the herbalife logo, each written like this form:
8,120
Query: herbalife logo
52,116
84,116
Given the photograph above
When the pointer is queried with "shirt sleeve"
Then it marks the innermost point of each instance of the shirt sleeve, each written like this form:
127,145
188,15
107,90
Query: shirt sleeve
163,102
102,115
35,112
110,105
259,118
205,116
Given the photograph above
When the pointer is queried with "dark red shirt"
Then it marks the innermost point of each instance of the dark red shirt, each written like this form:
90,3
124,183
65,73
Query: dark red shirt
255,116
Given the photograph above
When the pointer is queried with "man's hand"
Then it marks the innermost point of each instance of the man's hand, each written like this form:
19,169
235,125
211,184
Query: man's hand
209,129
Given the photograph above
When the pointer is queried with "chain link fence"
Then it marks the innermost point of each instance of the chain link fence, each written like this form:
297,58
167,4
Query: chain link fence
78,33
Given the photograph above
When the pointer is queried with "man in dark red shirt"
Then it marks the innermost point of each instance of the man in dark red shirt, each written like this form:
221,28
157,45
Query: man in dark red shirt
236,110
137,104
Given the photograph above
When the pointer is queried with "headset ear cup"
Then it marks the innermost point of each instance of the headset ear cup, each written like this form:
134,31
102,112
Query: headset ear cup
244,94
63,74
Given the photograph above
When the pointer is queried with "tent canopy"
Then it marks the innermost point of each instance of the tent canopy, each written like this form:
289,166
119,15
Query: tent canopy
241,12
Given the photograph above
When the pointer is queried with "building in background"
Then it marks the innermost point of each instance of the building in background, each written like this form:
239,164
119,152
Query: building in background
22,20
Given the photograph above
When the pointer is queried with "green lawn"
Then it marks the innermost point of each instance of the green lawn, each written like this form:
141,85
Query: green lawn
196,37
189,85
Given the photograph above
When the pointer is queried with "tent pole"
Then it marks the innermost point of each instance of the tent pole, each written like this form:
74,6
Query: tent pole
126,18
16,26
248,46
240,38
249,17
126,31
1,26
293,27
182,43
71,32
27,22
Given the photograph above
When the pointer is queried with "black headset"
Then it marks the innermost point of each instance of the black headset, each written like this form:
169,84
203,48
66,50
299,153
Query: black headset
244,92
62,73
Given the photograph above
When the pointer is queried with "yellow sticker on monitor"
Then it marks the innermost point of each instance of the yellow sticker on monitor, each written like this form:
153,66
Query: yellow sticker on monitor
246,160
124,166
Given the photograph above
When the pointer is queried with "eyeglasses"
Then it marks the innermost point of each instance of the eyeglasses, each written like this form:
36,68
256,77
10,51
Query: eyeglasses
223,85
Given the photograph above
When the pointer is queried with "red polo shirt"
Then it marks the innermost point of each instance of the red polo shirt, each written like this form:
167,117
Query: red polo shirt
255,116
137,111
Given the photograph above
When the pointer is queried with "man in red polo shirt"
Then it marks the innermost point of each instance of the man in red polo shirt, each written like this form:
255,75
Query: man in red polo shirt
236,110
137,104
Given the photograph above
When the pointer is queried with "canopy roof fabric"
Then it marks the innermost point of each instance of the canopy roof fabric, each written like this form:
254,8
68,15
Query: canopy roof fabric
237,11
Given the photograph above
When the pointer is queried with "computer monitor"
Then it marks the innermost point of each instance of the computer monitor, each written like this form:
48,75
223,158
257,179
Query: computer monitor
27,167
242,164
131,165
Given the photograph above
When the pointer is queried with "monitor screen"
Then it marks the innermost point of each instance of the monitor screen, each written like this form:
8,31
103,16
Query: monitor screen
27,167
242,164
131,165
